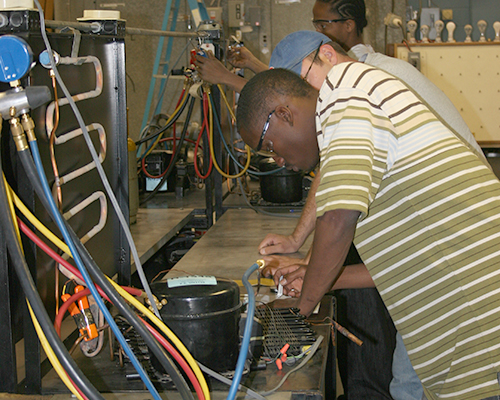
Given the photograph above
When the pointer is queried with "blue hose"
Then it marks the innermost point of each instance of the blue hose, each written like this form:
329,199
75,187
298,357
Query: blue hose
88,280
245,343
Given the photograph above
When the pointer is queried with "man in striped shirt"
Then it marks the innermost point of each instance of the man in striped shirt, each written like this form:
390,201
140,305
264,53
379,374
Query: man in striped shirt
422,209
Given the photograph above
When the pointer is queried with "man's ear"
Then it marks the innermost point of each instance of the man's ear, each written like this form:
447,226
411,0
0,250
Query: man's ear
329,53
285,114
350,25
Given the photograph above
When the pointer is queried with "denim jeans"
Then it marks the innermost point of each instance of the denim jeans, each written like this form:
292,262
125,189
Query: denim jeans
405,384
488,398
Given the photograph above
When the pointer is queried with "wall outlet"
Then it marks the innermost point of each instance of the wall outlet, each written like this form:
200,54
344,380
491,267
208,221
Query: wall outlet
265,47
414,59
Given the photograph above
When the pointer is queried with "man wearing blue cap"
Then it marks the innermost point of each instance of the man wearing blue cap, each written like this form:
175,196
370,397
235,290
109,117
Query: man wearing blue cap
422,208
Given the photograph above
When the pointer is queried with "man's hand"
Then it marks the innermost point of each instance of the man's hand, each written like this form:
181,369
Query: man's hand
241,57
211,70
274,243
287,271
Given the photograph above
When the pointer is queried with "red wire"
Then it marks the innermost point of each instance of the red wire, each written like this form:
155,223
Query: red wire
169,139
77,388
64,307
143,164
203,126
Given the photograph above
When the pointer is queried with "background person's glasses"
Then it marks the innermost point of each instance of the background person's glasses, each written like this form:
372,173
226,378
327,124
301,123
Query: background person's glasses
321,24
314,59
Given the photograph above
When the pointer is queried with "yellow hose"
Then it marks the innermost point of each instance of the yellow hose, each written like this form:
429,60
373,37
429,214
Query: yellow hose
52,356
212,152
137,304
229,108
41,335
35,222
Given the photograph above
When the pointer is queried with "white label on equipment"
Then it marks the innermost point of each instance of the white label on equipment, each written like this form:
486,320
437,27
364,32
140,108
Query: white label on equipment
191,281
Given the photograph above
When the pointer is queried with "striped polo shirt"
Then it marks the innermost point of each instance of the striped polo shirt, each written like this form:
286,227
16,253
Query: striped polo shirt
429,230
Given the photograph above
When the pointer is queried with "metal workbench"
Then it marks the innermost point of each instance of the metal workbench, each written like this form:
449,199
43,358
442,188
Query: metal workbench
227,250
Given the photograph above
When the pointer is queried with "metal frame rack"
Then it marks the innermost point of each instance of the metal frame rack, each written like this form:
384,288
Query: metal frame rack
104,111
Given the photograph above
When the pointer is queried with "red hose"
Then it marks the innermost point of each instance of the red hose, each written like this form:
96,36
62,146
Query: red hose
204,126
133,291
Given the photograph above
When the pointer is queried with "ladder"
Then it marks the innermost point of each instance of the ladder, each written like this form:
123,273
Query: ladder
199,13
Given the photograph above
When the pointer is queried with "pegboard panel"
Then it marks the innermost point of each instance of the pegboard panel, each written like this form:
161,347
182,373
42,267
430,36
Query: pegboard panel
469,74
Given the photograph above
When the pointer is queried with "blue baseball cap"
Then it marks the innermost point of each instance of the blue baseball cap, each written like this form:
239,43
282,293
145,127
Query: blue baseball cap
290,52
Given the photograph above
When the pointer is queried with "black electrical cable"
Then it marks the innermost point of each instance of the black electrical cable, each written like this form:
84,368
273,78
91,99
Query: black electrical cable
100,279
175,155
29,288
163,129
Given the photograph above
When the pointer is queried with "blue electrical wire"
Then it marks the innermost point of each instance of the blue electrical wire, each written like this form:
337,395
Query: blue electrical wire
245,343
76,256
256,173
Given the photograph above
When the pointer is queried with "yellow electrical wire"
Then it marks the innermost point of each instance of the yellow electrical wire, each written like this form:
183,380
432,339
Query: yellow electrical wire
136,303
41,335
212,152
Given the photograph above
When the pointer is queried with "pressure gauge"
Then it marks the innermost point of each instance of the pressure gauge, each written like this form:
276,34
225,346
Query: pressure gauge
16,58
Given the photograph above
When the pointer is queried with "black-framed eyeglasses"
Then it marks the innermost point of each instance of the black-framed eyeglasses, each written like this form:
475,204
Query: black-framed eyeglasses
264,130
320,23
314,59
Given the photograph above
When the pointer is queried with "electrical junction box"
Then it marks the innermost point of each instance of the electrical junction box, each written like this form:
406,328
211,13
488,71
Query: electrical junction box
236,13
215,13
254,16
428,17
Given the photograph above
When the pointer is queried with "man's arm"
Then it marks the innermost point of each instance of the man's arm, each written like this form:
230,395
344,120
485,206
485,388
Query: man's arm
274,243
332,238
211,70
241,57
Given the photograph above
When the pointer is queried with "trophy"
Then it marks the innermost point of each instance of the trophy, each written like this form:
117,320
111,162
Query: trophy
450,27
412,27
439,26
468,33
481,25
424,32
496,27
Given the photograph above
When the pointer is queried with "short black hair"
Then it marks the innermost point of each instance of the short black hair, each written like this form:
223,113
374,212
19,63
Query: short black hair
261,92
351,9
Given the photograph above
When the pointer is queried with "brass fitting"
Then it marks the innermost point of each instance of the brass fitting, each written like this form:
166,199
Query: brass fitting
18,134
29,127
261,263
159,304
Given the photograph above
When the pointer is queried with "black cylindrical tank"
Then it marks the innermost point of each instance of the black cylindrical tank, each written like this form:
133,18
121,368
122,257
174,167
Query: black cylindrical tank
281,187
205,318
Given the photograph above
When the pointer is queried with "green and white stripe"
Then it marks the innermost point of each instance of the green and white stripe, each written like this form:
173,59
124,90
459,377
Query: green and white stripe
429,231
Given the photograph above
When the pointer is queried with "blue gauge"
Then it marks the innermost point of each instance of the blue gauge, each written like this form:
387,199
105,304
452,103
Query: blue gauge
16,58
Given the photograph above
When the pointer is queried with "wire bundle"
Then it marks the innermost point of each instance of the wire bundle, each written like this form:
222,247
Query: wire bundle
209,119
